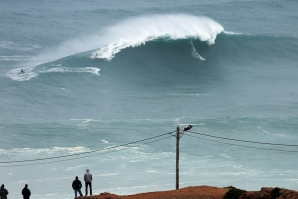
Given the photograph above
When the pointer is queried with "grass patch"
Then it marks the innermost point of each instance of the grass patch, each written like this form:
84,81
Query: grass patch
275,193
233,193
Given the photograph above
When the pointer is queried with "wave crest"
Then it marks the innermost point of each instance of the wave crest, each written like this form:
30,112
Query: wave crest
137,31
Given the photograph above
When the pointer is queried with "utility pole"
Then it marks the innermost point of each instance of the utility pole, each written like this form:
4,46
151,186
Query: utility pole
177,157
178,136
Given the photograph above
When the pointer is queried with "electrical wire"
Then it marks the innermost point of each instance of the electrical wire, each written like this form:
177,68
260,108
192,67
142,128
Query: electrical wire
101,153
242,140
241,145
93,151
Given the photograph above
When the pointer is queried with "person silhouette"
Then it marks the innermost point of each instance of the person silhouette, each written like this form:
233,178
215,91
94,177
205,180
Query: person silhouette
77,185
26,192
88,180
3,192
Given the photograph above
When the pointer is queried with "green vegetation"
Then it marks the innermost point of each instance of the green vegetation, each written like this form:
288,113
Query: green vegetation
275,193
233,193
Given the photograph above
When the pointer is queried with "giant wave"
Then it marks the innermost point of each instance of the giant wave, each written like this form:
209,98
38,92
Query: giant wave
184,36
135,32
131,32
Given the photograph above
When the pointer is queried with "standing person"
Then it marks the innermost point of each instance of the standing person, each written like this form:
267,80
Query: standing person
3,192
77,185
26,192
88,180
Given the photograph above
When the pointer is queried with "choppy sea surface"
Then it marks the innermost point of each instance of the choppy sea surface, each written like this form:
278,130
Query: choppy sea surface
105,82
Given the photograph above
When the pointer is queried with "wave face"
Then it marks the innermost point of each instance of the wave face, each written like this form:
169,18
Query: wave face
163,62
235,59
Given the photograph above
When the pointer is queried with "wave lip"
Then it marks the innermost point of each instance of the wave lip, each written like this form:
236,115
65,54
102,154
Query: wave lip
137,31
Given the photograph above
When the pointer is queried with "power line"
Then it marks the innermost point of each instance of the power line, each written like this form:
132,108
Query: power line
101,153
93,151
18,165
241,145
243,140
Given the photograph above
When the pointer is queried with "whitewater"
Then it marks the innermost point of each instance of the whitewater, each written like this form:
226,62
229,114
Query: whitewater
106,84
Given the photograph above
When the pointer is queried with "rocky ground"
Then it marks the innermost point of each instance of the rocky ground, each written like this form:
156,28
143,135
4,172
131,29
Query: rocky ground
202,192
266,193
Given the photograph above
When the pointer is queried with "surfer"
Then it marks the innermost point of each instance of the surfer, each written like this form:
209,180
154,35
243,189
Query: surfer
22,71
96,54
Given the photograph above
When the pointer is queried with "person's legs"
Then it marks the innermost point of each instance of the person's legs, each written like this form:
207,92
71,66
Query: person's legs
75,193
86,190
79,190
90,186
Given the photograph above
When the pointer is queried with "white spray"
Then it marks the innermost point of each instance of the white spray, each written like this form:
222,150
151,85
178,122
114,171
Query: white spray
195,54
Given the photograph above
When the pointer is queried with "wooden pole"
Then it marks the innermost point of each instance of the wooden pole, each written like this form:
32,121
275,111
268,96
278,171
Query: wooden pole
177,157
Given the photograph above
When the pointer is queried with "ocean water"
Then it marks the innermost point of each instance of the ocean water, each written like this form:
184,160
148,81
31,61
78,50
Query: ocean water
106,82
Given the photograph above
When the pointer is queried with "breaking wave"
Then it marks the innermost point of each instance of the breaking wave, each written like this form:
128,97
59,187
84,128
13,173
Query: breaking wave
132,32
137,31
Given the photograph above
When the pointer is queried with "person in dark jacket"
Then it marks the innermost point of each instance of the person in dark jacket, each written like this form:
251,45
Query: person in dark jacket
26,192
3,192
77,185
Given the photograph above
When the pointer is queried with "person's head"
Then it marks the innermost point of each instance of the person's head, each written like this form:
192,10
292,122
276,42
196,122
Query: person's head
26,185
2,186
87,170
77,177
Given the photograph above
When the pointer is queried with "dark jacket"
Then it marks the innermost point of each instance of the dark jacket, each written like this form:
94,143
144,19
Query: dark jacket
76,184
3,193
26,193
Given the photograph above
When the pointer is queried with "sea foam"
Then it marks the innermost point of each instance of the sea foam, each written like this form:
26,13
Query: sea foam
30,73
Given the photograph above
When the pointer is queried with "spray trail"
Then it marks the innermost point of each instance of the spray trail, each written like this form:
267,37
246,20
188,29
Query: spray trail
195,54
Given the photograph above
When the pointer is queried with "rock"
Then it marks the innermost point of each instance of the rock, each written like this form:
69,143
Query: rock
288,194
265,193
255,195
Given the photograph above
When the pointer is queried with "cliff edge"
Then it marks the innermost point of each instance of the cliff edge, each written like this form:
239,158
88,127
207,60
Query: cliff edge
203,192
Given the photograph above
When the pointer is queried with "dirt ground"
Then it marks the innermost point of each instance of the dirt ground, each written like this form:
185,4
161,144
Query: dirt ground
196,192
